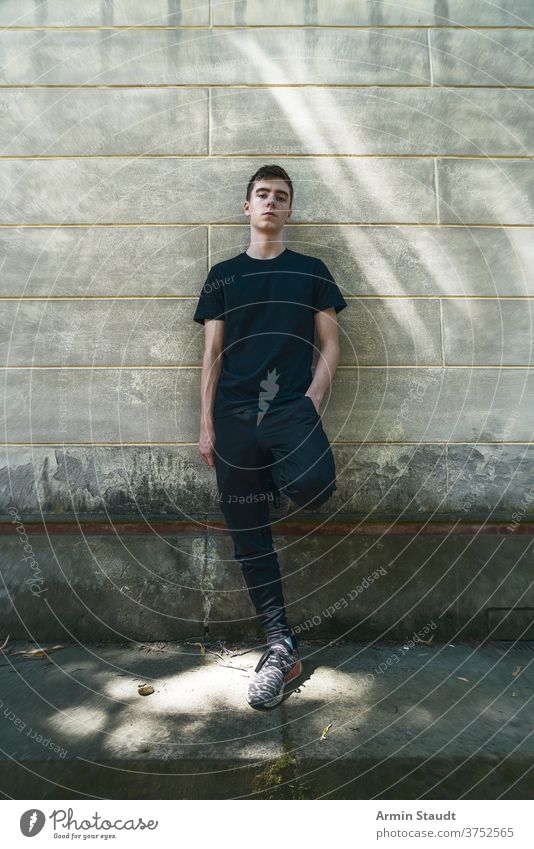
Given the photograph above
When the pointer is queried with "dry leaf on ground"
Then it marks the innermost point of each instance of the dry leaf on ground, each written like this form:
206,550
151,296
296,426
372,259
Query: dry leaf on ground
326,729
37,651
201,646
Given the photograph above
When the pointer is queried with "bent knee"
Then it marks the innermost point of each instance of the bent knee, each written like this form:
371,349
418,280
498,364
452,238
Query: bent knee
313,497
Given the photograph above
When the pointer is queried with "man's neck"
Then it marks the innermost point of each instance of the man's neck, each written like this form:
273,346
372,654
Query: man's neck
265,248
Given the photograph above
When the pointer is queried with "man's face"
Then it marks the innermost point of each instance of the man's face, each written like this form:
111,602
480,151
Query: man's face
269,205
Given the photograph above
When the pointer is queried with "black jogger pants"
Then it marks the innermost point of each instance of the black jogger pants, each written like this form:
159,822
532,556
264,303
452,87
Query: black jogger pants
255,455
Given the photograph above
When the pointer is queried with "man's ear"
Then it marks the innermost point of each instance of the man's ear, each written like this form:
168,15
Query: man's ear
246,207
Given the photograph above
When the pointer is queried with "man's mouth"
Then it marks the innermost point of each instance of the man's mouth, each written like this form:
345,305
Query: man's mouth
269,213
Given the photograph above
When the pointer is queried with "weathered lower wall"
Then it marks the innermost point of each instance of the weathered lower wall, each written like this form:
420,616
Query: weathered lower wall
401,482
123,586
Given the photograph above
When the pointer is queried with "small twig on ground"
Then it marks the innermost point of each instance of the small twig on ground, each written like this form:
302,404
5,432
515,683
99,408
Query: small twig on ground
229,666
239,653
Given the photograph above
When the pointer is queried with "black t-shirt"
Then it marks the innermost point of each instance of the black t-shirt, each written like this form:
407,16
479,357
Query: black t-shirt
268,306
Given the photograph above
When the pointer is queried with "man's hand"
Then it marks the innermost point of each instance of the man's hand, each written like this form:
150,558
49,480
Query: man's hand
316,401
206,443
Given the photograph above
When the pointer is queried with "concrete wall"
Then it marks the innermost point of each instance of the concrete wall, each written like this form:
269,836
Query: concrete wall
128,132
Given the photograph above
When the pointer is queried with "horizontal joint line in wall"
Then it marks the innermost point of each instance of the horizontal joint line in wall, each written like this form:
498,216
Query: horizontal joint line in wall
242,224
96,444
133,156
321,224
376,297
90,27
156,367
448,86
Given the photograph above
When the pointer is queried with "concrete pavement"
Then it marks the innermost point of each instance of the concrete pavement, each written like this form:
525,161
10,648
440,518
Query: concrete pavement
390,720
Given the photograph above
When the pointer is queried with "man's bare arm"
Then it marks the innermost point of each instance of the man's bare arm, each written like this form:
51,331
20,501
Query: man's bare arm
326,327
211,370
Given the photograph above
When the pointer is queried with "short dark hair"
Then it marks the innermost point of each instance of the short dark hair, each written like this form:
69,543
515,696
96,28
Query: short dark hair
268,172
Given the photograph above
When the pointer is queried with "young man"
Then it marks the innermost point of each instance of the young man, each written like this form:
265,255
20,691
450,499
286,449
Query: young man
260,423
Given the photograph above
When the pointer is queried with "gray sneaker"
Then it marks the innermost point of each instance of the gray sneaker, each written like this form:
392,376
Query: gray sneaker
277,666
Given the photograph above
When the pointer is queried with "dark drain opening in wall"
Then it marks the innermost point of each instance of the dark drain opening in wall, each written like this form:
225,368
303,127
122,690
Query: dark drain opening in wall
510,623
